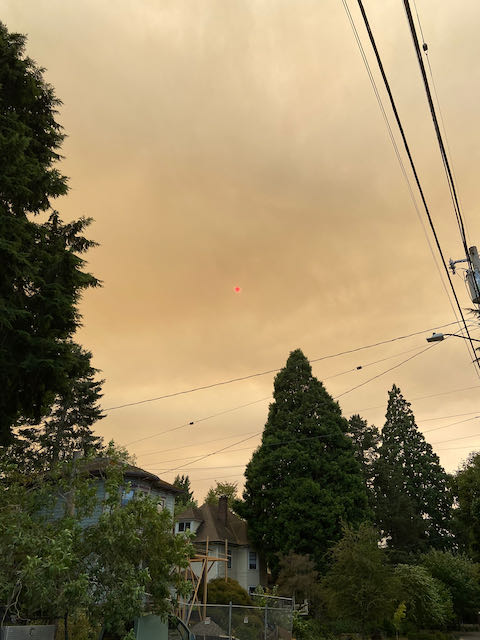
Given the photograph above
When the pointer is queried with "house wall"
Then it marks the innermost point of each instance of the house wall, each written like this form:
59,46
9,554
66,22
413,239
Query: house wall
194,524
59,509
239,570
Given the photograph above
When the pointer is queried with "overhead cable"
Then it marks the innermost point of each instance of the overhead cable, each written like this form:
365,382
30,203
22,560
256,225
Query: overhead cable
263,373
417,179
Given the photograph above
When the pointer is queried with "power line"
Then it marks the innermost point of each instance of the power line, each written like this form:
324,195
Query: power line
215,415
251,432
215,452
263,373
445,426
193,422
414,170
432,395
379,375
474,435
395,147
425,49
443,152
278,444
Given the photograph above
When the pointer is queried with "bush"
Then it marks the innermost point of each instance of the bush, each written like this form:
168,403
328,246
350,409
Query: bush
222,592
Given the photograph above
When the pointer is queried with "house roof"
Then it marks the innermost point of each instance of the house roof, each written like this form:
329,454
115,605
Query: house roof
97,467
213,525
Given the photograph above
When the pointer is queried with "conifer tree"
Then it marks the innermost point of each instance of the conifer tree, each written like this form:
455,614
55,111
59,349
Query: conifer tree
67,430
303,481
413,501
185,499
42,272
366,442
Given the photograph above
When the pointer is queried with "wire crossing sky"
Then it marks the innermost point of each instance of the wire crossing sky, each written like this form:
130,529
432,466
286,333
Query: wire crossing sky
248,201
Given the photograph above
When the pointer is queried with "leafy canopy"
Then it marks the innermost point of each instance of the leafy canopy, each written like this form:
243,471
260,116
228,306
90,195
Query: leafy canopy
55,563
466,488
461,577
228,489
360,585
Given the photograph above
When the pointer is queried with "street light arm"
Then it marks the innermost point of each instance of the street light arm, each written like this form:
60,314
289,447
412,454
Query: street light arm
438,337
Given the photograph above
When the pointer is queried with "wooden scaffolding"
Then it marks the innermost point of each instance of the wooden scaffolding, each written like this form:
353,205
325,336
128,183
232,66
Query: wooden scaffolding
197,572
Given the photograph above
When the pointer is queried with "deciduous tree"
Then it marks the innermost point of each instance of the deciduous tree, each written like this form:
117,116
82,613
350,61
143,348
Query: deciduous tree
360,586
461,577
466,489
228,489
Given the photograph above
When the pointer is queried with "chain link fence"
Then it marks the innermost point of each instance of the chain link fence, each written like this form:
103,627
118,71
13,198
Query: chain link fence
273,621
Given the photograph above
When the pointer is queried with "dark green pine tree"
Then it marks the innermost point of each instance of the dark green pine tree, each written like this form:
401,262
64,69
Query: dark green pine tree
413,501
366,442
42,274
184,500
67,431
303,481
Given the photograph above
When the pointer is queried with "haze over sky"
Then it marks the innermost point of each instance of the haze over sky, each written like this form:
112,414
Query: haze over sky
224,143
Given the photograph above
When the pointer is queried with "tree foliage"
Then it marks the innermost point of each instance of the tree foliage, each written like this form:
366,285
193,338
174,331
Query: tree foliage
360,585
42,274
303,479
461,577
185,499
413,501
228,489
221,591
466,489
366,442
298,578
66,431
428,601
54,565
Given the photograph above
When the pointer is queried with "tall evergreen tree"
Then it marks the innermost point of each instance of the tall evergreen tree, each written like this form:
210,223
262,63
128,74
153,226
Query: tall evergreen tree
67,430
366,442
303,480
42,273
413,501
186,499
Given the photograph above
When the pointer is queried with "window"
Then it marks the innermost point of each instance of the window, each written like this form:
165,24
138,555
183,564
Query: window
251,591
252,559
161,505
127,496
184,526
229,560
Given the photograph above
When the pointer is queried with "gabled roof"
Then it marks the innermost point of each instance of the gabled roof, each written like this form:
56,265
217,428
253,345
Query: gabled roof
213,525
97,467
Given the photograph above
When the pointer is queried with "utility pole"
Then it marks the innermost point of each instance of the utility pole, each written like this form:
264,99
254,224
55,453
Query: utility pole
472,275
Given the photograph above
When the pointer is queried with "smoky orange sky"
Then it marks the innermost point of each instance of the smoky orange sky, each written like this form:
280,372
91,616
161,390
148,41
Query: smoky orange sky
224,143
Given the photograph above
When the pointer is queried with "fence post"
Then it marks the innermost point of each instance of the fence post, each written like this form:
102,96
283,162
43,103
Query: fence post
266,622
230,621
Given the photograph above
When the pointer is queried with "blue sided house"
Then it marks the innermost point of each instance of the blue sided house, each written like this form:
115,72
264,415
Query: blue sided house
137,480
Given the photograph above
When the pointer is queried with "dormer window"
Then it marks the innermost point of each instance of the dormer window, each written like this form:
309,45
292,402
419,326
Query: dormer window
184,526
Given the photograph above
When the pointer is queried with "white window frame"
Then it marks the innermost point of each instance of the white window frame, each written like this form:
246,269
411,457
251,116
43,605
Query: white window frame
250,563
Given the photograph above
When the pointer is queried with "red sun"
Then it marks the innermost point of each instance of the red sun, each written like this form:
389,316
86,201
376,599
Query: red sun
237,289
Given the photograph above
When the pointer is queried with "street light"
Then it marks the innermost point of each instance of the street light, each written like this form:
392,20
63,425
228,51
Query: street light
438,337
